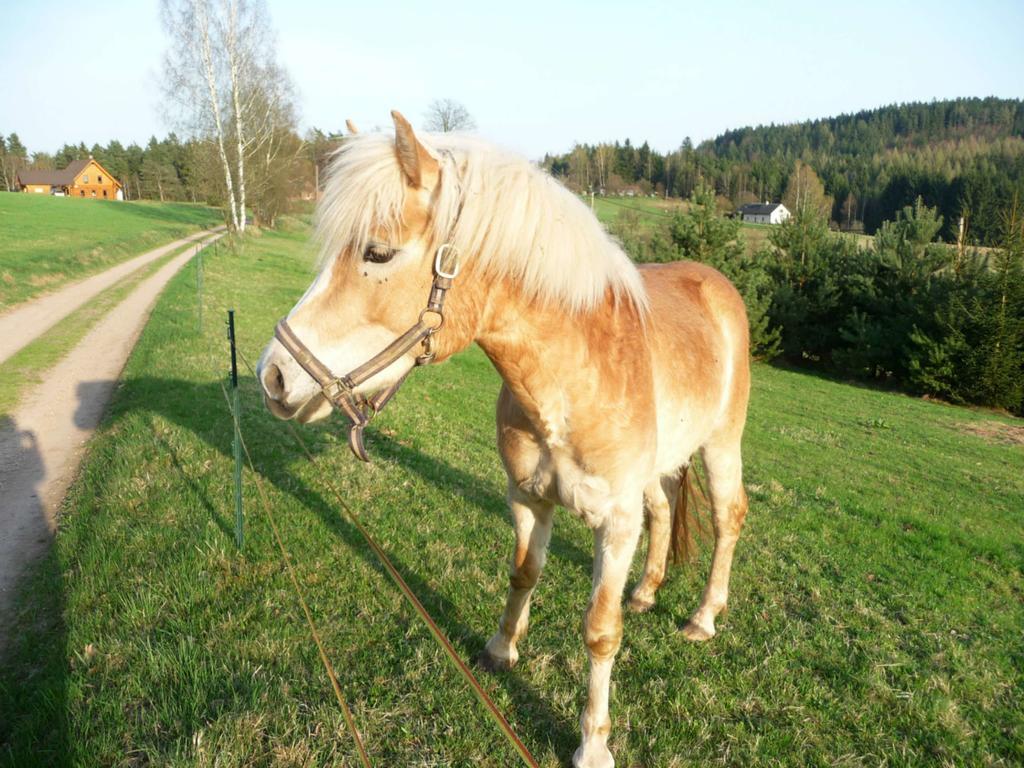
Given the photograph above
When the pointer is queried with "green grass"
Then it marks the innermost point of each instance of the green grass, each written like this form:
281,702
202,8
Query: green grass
656,211
756,236
48,241
28,366
875,615
651,209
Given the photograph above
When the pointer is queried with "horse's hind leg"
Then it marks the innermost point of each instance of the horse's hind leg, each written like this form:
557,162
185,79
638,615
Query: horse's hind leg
658,501
532,521
724,466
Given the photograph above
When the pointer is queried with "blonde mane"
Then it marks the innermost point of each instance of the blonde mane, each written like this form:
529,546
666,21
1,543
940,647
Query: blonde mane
508,216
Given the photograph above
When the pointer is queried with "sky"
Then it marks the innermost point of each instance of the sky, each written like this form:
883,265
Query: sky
536,76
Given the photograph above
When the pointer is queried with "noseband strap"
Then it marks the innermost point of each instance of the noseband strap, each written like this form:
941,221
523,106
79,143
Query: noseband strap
340,390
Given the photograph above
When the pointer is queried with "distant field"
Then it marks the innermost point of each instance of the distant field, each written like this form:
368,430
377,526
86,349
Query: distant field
756,235
651,208
654,210
48,241
875,616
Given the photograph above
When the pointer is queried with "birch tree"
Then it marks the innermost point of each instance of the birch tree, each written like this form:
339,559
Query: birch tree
603,154
805,194
221,68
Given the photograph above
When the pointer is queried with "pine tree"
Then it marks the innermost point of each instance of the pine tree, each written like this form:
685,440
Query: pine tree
1000,353
701,234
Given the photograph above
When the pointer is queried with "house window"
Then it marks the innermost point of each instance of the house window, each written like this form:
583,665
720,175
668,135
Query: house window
85,179
104,193
99,179
81,193
94,193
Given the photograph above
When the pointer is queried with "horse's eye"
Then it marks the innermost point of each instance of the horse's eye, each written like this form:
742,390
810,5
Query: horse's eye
378,254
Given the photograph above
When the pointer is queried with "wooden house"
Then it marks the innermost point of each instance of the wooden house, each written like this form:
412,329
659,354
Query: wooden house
82,178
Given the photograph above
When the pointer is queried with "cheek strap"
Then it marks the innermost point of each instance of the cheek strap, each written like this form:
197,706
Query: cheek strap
340,390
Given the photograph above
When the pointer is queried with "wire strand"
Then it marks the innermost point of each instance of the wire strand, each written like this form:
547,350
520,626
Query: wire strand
406,590
349,719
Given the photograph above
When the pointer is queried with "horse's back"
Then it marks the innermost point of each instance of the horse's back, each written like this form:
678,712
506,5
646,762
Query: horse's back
700,355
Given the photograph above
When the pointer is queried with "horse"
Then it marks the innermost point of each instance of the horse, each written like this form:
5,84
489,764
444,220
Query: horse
614,375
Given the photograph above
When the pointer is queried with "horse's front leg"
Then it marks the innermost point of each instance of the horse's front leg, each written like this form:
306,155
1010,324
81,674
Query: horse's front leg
614,544
532,521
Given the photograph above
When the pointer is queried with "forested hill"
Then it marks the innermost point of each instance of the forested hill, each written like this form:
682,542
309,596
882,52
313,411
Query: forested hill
963,156
873,131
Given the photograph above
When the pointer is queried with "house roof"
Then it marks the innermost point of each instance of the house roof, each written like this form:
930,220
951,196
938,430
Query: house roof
61,178
64,177
759,209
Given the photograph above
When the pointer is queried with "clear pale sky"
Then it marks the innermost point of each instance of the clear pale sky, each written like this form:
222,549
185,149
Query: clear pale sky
537,76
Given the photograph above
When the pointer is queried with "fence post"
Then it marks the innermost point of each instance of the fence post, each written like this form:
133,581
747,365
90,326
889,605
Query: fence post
199,287
236,443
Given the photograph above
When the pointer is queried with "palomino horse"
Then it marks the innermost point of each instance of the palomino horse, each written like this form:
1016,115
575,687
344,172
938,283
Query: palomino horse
613,375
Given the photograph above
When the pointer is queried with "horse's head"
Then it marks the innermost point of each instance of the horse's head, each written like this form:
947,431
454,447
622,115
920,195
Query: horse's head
378,223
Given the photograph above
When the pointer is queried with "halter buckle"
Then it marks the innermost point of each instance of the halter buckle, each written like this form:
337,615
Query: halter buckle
335,389
439,258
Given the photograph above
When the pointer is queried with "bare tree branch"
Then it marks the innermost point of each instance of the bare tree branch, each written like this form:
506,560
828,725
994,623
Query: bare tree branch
446,115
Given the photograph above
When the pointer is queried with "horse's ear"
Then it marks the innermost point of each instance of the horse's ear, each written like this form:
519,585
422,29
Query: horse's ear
418,165
351,127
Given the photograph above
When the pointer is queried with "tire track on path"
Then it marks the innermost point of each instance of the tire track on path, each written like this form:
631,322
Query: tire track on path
24,323
42,441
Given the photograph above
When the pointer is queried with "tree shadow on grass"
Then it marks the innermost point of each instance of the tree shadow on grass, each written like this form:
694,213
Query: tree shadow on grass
200,409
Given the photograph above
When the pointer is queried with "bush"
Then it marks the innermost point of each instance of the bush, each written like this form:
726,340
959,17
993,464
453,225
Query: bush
907,311
701,234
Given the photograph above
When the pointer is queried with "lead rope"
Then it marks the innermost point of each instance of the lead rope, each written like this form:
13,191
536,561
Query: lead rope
346,712
396,577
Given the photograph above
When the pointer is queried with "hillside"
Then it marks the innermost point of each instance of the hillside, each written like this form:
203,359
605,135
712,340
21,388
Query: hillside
898,126
874,611
48,241
963,156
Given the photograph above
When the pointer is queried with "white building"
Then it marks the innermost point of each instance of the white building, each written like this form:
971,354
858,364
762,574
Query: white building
764,213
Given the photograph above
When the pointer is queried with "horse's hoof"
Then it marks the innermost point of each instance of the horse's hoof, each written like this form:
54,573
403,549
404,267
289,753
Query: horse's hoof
595,757
640,604
695,633
489,663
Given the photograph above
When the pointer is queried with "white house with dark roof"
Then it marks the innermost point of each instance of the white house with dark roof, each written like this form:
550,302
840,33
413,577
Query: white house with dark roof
764,213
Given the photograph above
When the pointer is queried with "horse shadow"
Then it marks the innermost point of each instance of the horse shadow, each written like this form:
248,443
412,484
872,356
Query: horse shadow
441,474
188,405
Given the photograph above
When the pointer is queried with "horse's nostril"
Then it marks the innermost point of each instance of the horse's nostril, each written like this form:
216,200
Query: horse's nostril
273,382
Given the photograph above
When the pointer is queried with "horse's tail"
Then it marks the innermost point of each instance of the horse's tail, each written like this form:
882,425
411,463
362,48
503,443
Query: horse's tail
687,527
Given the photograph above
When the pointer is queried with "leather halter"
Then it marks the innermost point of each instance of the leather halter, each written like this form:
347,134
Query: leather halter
340,390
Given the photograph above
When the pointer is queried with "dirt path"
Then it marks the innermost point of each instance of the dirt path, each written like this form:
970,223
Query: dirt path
26,322
42,442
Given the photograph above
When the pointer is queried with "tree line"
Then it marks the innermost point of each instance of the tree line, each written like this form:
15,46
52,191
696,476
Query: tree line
231,99
233,103
907,311
964,157
172,169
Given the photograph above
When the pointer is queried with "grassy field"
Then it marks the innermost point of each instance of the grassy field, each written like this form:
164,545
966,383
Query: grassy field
28,365
651,209
755,236
655,211
875,617
47,241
